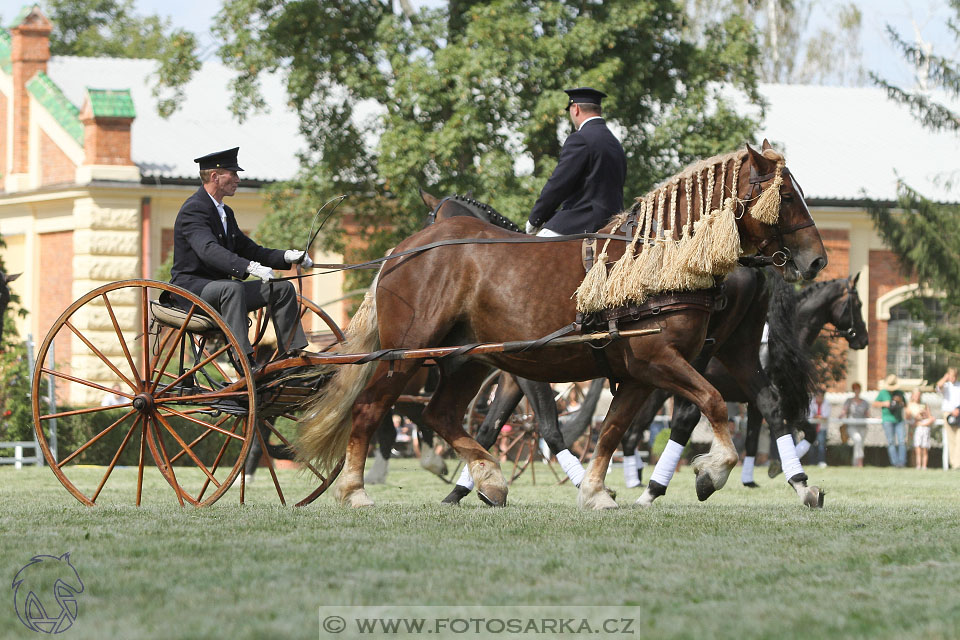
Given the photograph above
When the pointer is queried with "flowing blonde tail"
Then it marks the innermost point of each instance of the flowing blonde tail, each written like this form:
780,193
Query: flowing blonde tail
324,428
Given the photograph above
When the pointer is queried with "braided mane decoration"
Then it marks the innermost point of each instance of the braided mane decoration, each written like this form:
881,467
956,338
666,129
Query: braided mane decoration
667,253
485,211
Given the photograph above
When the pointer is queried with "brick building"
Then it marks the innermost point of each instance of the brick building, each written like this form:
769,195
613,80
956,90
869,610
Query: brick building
91,178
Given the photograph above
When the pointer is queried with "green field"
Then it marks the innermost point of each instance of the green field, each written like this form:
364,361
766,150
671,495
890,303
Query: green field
881,560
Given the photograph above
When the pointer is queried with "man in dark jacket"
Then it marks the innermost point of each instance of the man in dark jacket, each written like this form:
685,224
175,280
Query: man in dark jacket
587,183
211,256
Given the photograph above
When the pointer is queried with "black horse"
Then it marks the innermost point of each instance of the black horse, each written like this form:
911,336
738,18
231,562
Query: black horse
5,296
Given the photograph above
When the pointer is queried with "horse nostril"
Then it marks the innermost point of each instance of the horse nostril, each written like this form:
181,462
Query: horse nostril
815,267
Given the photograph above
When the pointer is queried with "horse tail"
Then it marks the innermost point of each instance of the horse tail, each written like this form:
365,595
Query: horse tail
790,368
328,418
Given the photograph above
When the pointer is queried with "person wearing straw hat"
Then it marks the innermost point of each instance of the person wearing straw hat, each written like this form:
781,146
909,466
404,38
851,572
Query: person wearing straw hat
892,402
587,183
211,256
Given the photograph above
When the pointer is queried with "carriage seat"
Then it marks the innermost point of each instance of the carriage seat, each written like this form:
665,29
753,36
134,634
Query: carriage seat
173,316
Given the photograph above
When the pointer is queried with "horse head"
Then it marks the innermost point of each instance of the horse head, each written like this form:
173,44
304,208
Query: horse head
779,223
846,314
457,205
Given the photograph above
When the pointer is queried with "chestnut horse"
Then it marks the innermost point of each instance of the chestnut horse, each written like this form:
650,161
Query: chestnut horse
494,292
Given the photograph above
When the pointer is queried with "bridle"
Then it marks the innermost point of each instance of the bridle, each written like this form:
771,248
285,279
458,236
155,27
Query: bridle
782,255
851,331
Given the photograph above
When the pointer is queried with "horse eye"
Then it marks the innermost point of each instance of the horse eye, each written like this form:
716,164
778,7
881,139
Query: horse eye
787,197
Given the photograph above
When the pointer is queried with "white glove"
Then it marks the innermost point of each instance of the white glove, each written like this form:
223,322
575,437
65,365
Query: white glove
293,256
260,271
532,230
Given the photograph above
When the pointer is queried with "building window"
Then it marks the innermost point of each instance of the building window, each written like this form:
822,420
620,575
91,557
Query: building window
907,356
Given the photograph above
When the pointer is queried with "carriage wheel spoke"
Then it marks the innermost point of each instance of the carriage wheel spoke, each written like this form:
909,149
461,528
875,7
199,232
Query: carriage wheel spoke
123,342
216,463
196,367
170,352
116,456
77,412
166,461
186,447
205,425
99,355
277,433
143,439
201,438
87,383
145,328
89,442
273,473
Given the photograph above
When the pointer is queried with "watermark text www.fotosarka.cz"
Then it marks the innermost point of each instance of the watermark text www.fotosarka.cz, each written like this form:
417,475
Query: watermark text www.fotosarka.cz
496,621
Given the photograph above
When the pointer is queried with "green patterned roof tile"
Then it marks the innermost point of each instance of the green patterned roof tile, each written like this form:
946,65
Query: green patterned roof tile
53,100
24,12
5,63
111,103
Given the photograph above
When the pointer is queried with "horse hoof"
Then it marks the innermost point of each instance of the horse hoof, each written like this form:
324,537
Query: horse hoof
433,463
355,499
774,469
705,487
751,485
492,499
595,499
645,501
814,497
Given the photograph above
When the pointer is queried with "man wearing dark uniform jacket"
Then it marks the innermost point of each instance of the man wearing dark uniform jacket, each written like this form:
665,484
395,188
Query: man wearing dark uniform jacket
587,183
211,256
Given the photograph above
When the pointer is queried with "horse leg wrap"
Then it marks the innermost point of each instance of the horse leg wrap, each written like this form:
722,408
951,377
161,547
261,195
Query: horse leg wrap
788,456
571,466
667,464
746,475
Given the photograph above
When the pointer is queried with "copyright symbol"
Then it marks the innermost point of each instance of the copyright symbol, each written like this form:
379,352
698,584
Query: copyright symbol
334,624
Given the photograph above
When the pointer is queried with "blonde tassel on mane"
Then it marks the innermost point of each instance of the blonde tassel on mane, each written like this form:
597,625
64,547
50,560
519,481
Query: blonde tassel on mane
590,294
767,207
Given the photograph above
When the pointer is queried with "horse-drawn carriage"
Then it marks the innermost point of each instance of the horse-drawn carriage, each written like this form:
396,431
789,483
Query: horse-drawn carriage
189,387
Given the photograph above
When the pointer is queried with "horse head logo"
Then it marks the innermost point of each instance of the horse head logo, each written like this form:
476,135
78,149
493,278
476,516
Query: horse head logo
45,593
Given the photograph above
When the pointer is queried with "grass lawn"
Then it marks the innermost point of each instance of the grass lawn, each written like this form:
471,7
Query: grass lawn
881,560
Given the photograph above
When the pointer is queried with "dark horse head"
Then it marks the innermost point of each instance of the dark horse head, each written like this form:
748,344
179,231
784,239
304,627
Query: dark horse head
835,302
794,242
5,281
457,205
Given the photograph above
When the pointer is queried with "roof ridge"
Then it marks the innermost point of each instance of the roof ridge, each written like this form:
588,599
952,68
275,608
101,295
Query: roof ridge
46,91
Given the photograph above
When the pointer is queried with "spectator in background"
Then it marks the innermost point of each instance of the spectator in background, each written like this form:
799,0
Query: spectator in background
856,408
950,389
892,403
819,412
113,399
918,414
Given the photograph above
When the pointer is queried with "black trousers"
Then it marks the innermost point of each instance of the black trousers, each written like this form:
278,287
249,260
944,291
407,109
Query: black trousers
233,300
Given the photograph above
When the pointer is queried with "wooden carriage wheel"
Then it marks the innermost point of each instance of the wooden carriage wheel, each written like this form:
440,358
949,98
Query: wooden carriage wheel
188,391
270,434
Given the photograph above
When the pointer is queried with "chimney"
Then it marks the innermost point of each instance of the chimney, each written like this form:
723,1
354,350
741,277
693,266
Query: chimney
106,116
29,52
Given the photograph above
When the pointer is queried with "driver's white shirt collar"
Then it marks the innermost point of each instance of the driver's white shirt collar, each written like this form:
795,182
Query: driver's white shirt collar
588,120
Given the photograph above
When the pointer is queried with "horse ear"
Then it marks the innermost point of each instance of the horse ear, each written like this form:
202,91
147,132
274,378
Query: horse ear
766,145
13,277
853,281
763,162
429,200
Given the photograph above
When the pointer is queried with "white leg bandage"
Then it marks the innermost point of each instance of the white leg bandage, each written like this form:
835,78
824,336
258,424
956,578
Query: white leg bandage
788,456
571,466
630,476
667,463
802,447
465,480
746,475
640,463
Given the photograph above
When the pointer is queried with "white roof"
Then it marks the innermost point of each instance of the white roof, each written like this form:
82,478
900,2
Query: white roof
268,142
851,143
842,143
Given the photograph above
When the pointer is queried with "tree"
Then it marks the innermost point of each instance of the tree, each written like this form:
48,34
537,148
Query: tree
794,52
111,28
924,234
469,97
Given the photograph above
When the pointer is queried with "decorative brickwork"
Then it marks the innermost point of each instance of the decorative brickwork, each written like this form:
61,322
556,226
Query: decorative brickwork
885,275
56,262
55,166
